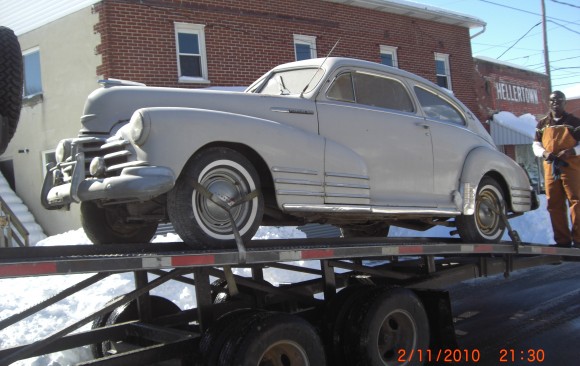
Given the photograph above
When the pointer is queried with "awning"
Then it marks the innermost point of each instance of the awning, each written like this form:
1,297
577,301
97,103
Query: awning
503,135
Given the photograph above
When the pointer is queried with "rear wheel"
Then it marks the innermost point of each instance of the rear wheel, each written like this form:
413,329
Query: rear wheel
486,224
231,181
110,225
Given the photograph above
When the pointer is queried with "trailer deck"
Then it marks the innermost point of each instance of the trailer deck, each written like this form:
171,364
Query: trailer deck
418,263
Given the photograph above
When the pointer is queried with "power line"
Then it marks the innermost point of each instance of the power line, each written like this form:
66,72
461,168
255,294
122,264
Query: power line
526,11
510,47
563,3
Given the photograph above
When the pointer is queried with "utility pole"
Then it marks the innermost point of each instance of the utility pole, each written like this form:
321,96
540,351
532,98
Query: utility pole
546,52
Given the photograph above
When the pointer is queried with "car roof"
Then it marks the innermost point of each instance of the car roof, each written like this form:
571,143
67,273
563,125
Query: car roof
337,62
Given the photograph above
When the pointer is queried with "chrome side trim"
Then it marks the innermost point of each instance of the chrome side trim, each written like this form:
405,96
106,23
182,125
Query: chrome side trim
391,211
278,169
346,175
346,185
291,110
298,181
288,192
347,195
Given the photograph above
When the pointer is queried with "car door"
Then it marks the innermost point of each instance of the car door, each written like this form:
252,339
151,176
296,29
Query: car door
372,115
452,140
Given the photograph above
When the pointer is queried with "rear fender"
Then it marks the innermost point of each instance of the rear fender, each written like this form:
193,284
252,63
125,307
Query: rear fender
483,161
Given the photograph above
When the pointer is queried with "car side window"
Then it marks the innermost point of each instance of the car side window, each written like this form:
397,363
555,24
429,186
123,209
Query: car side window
342,89
382,92
438,108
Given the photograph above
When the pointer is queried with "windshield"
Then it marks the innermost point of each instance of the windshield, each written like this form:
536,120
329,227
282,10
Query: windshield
291,82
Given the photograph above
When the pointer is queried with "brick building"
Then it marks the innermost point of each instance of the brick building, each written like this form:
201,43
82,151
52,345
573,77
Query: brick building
205,43
503,87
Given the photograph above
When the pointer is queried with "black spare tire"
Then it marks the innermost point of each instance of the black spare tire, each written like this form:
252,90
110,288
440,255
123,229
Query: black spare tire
10,85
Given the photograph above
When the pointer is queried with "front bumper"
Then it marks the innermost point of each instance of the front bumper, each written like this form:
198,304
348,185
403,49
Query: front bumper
136,183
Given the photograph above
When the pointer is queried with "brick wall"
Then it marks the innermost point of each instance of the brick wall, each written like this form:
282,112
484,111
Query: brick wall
503,88
246,38
573,106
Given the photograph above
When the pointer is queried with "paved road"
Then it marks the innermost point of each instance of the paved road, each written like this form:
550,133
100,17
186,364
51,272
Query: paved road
535,313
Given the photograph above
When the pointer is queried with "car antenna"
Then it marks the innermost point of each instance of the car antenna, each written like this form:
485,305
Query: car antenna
319,67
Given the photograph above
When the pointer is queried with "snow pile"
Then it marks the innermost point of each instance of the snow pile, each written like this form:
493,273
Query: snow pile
20,293
35,232
524,124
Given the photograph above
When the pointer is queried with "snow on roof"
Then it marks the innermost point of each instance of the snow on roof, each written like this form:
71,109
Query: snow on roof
572,92
524,124
505,63
417,10
24,16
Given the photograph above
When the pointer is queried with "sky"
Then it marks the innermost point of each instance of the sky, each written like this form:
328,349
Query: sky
513,34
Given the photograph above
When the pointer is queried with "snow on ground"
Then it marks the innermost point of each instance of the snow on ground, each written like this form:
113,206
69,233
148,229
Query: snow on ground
20,293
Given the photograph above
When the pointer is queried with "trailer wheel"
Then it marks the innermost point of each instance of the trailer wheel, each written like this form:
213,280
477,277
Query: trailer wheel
228,176
225,327
334,319
486,224
160,306
279,339
386,322
10,85
109,225
361,231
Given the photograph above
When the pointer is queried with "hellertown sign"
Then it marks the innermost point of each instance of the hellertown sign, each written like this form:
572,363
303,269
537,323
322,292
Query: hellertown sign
515,93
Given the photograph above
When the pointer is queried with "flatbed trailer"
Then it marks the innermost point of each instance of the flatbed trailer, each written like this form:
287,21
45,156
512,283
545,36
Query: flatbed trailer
369,300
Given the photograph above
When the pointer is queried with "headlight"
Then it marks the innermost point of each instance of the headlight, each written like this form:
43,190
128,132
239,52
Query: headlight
63,150
140,126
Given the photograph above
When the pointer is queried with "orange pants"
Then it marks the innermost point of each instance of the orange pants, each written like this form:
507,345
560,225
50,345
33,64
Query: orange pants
565,190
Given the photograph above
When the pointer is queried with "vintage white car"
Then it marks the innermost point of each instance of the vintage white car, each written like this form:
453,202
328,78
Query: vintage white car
340,141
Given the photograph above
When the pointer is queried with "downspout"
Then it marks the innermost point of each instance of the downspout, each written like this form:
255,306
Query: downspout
478,33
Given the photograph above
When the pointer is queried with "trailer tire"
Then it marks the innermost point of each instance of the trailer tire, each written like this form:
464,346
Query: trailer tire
486,224
228,175
160,306
226,326
334,319
277,339
108,225
387,321
11,79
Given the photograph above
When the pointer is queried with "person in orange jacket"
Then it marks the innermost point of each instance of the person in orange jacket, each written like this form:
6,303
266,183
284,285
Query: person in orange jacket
557,141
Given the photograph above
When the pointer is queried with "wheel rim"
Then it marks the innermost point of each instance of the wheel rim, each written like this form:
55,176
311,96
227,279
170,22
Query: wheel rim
398,331
116,221
284,353
229,182
488,212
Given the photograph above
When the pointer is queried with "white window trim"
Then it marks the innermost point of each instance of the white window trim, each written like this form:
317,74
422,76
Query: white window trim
198,29
390,50
307,40
445,58
25,53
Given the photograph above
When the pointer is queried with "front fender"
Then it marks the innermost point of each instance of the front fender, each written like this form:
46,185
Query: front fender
295,156
483,161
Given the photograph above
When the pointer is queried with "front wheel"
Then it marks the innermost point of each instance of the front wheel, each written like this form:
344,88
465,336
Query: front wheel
486,224
111,225
214,181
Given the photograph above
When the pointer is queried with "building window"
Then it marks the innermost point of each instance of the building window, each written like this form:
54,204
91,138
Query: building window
32,76
304,47
442,70
191,56
389,56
